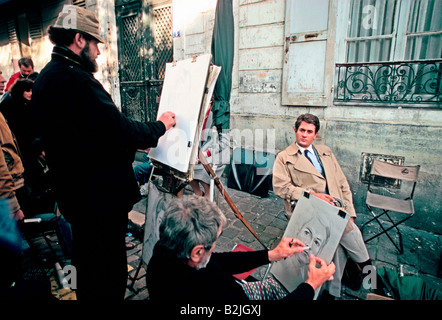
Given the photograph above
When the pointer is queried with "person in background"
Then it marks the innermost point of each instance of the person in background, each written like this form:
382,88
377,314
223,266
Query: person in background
10,248
17,110
11,167
2,83
142,172
36,197
26,66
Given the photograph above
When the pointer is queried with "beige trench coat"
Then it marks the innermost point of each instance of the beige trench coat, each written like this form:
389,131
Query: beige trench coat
293,174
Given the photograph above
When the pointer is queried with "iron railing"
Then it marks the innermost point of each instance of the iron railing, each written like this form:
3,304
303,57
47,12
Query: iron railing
412,83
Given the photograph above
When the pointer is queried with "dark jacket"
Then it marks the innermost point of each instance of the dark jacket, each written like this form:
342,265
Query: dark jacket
169,278
90,145
19,115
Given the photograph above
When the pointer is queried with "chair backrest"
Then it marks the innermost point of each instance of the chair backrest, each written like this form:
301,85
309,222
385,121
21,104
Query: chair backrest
258,159
395,171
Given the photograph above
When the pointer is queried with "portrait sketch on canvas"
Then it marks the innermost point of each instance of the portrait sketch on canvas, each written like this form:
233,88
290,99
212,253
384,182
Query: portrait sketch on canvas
319,226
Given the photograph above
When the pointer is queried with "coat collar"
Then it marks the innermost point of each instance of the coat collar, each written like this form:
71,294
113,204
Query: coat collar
302,164
320,149
68,56
293,149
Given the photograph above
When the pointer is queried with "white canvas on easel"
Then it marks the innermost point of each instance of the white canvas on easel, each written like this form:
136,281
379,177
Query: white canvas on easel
320,226
183,91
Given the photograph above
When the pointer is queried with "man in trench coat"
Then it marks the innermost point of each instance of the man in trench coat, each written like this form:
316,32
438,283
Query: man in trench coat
319,173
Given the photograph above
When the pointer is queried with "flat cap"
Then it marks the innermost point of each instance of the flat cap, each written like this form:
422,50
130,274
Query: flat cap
78,19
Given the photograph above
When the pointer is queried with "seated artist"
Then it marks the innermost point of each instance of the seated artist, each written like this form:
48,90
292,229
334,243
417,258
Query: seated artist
183,266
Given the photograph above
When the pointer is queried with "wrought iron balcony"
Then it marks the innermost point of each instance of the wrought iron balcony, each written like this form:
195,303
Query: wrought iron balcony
405,83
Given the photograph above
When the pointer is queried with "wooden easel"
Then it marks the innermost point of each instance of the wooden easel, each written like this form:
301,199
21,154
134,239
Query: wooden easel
173,173
216,182
226,196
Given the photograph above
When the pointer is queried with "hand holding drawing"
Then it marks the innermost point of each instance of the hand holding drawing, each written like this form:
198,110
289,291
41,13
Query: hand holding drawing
316,276
333,201
168,118
326,197
286,248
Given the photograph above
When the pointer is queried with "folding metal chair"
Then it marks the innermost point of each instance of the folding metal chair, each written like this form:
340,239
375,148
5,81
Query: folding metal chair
34,228
380,204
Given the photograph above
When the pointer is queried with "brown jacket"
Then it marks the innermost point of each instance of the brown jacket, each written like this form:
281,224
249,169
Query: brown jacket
11,167
293,173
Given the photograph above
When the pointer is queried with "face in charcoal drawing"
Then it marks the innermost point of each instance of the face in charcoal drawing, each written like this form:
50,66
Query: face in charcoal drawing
314,233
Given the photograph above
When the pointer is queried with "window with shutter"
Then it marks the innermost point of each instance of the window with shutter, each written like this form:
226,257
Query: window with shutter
306,70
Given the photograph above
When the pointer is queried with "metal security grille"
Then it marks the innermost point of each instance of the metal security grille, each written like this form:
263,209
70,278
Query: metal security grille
163,39
145,46
131,70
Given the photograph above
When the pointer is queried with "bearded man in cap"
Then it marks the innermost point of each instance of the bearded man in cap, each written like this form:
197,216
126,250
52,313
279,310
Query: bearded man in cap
90,147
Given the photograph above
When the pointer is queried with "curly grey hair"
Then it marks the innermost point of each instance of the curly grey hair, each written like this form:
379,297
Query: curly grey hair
190,221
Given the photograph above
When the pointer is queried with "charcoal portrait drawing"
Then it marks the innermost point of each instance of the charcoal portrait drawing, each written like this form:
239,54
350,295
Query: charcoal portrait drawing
319,226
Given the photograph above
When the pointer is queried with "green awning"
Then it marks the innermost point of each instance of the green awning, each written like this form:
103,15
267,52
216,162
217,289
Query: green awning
222,55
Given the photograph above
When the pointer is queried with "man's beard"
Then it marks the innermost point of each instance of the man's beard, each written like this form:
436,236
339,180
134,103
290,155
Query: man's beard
204,261
90,65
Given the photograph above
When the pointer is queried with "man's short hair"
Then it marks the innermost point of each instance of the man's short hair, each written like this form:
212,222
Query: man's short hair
190,221
309,118
64,37
27,62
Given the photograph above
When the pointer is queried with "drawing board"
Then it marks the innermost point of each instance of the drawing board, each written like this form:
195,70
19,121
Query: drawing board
183,92
320,226
157,203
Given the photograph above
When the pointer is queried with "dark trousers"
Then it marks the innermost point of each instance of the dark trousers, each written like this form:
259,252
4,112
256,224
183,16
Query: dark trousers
99,253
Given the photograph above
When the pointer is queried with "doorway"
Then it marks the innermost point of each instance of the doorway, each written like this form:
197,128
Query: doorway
145,44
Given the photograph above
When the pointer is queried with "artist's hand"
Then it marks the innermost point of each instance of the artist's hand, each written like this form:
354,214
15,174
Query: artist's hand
286,248
18,215
317,275
168,118
42,156
325,197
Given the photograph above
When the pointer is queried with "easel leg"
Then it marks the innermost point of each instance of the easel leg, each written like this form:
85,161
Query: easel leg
229,201
141,258
212,186
267,271
136,274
